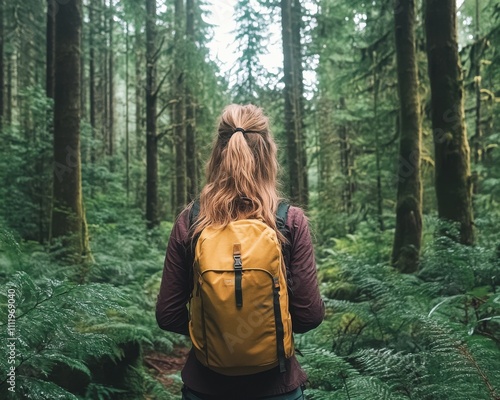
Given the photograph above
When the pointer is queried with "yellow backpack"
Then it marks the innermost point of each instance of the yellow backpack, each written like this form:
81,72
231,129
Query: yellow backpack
239,318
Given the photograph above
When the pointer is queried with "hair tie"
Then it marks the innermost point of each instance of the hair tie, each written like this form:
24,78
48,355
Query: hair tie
240,130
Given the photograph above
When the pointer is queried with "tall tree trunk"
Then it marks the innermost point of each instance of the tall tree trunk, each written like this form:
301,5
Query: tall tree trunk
179,127
452,153
191,159
83,84
380,199
346,167
478,151
151,139
127,133
50,46
139,120
14,85
408,234
92,79
68,218
8,93
291,112
2,83
104,84
111,100
298,89
44,215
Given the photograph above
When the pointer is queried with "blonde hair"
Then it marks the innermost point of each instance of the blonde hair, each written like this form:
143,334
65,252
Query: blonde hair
242,172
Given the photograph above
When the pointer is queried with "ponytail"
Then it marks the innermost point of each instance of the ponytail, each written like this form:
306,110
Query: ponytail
241,172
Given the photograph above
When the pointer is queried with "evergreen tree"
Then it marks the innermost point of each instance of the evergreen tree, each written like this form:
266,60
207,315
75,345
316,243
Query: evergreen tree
408,234
452,153
68,216
151,99
293,93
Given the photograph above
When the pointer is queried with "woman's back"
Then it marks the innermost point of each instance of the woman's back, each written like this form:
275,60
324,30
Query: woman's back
241,184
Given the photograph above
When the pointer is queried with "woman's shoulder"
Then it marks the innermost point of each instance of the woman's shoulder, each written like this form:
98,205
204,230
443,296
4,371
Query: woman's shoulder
296,217
180,230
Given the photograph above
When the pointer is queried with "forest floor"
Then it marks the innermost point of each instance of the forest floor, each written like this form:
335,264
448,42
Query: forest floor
166,366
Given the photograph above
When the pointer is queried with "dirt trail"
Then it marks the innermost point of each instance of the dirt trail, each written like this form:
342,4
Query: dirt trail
166,364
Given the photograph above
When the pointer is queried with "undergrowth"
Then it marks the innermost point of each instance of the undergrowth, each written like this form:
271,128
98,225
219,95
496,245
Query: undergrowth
434,335
85,341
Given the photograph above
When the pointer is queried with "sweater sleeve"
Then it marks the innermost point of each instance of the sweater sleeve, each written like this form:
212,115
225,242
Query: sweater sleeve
306,305
171,310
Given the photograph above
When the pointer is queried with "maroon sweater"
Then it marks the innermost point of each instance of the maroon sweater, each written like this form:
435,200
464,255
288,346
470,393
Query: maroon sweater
306,308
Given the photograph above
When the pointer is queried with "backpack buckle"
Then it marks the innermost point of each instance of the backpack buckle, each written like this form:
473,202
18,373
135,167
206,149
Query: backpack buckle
238,268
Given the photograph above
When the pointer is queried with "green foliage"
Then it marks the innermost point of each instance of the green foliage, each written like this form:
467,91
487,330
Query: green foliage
26,169
54,327
433,335
67,332
252,36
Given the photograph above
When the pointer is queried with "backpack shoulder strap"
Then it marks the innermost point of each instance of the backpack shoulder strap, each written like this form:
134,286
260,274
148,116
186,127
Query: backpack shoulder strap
281,218
193,213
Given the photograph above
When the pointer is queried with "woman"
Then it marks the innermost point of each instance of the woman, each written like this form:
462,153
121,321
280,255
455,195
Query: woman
241,184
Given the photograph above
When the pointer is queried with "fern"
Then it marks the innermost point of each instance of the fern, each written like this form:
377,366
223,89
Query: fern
432,336
52,329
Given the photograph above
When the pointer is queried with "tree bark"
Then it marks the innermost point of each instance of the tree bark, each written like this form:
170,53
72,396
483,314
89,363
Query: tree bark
83,84
68,217
50,46
478,148
151,139
139,85
127,133
104,72
452,153
111,98
2,79
292,109
296,22
408,234
92,79
346,167
380,199
191,158
179,109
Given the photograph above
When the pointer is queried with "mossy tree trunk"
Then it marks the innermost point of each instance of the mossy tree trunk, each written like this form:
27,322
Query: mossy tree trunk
151,99
408,234
50,44
299,101
452,153
293,94
68,217
191,156
111,88
179,108
2,83
92,78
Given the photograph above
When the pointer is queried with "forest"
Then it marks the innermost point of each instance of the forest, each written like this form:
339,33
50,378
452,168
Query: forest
387,118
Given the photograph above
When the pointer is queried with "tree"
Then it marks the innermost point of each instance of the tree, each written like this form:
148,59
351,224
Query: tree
293,93
452,154
2,83
179,109
111,96
250,34
408,234
92,78
68,217
151,97
191,151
